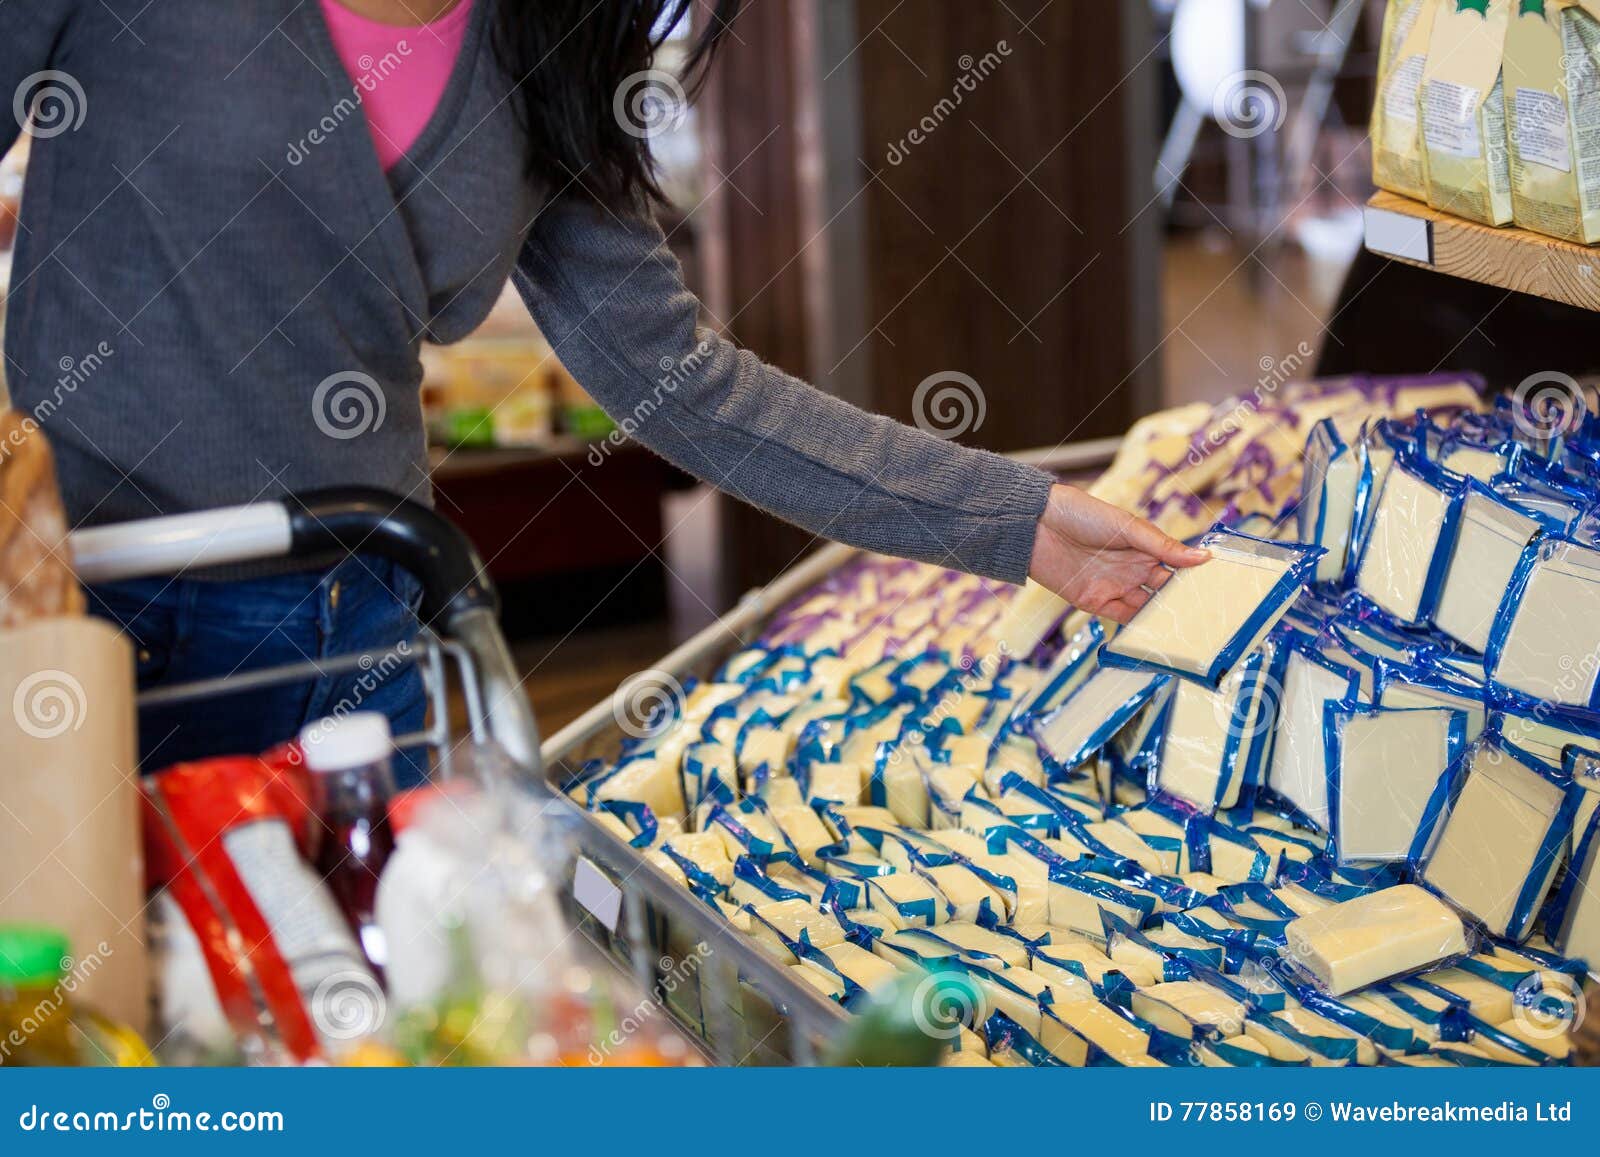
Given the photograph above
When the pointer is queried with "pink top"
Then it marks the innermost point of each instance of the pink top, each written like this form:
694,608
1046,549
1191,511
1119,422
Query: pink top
400,72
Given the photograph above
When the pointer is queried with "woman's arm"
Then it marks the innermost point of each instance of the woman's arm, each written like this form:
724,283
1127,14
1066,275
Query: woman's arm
609,297
29,33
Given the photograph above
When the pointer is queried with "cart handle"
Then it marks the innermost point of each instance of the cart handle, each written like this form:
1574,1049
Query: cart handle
303,526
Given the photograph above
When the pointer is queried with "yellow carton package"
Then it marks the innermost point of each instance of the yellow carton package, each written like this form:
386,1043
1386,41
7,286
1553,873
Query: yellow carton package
1397,155
1468,163
1552,82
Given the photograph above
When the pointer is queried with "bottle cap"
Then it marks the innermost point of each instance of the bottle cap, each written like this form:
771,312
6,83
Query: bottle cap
340,743
32,955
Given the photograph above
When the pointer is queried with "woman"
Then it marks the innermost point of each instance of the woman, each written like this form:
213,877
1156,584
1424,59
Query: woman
240,222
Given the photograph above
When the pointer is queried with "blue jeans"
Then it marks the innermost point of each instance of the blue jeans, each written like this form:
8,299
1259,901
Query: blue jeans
184,629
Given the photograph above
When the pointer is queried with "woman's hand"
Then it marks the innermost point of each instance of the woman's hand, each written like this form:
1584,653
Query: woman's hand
1102,559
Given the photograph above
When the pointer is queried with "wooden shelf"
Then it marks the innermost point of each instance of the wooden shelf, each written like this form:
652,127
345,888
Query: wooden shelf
1402,229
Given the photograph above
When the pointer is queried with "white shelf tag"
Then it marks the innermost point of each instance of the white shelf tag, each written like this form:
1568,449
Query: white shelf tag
595,891
1399,235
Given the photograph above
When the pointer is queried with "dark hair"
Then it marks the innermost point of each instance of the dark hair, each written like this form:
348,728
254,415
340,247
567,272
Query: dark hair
581,92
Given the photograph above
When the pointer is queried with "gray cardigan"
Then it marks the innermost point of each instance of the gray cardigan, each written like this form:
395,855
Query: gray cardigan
218,295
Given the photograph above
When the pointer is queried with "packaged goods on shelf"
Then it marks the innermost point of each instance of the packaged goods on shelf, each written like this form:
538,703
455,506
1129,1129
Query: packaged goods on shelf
1324,833
1397,154
1552,82
1467,162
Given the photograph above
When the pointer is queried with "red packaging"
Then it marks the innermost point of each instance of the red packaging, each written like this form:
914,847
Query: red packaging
222,836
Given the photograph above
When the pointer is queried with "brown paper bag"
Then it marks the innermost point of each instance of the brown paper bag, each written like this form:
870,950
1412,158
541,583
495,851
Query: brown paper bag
70,848
36,578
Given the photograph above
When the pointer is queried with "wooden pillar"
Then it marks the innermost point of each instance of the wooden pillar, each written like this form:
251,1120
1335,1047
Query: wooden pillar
939,187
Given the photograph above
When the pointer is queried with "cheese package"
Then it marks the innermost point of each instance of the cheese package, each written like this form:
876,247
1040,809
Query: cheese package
1383,766
1205,619
1298,768
1582,762
1468,165
1552,84
1384,934
1203,745
1376,450
1490,537
1397,154
1397,685
1328,498
1545,641
1403,558
1575,917
1189,1008
1491,842
1093,713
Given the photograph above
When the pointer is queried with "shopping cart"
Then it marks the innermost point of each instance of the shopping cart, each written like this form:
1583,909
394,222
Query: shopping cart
737,1003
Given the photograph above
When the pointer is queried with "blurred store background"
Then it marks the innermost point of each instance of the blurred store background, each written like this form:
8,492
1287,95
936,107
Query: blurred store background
1089,210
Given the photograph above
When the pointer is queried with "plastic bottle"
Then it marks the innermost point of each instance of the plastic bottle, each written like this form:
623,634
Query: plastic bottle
39,1025
418,901
349,758
480,962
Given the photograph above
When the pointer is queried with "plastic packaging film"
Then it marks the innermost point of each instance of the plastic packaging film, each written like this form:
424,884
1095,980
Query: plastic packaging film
1298,770
1490,539
1383,766
1546,641
1492,846
1328,498
1401,567
1206,731
1094,712
1206,618
1359,942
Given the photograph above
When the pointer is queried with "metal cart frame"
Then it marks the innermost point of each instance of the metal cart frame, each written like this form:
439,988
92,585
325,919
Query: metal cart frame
769,1017
738,1003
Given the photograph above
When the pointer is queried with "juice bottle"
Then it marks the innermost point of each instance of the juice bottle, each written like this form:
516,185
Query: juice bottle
349,758
38,1023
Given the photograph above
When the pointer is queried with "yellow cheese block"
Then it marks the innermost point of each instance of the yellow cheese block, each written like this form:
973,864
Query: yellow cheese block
906,900
646,781
968,895
1116,1037
804,830
823,981
1181,1006
857,965
838,782
1067,947
1373,937
984,945
797,920
706,851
